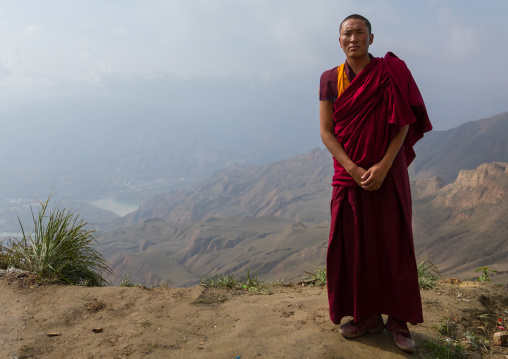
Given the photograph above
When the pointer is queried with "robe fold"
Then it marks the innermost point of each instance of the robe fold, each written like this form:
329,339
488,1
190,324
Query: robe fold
371,265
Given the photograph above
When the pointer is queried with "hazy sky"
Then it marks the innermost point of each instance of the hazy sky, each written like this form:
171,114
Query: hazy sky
457,50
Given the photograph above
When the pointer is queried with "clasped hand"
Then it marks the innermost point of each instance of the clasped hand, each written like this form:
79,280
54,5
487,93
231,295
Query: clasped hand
371,179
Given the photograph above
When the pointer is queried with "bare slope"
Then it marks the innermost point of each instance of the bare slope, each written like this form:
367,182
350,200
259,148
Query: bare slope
272,247
459,227
445,153
297,188
463,226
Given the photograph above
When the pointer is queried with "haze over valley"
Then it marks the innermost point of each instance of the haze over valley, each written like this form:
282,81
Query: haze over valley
187,133
273,219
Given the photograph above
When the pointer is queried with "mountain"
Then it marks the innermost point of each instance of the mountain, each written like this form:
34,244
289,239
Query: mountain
463,226
459,227
271,219
271,247
445,153
274,219
297,188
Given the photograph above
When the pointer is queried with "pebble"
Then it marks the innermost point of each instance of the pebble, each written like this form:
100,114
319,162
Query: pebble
500,338
11,270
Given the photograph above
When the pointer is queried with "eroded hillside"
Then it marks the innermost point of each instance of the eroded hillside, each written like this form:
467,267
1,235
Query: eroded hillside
463,226
459,227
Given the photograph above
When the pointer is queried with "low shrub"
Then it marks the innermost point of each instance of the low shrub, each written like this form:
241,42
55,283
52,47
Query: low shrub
317,278
428,275
60,249
228,281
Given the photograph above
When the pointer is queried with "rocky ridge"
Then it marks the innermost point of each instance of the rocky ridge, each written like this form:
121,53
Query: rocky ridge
459,227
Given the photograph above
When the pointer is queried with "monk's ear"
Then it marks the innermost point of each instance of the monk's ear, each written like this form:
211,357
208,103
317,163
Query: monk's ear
371,39
340,43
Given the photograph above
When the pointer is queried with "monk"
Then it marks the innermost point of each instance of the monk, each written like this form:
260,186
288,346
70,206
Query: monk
371,114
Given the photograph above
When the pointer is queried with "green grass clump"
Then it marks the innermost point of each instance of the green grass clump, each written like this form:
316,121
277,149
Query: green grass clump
317,278
442,349
486,273
126,281
428,275
59,249
10,255
228,281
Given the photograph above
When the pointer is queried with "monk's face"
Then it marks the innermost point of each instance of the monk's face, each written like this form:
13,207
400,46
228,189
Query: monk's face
355,39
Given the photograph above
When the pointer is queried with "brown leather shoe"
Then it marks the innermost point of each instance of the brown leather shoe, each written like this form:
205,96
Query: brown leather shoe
400,333
373,324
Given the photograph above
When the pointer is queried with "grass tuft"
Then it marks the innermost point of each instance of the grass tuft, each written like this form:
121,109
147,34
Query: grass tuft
441,349
216,280
428,275
228,281
126,281
317,278
59,249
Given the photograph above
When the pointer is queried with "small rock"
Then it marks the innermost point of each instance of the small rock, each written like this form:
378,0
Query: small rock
500,338
13,270
453,281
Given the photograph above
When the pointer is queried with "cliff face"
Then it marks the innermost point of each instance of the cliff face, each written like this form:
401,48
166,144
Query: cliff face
486,184
463,225
446,153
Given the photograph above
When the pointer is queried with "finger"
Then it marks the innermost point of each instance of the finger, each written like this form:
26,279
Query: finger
367,187
371,186
366,174
367,182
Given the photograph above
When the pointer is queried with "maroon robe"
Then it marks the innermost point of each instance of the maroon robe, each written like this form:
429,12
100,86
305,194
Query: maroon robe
371,264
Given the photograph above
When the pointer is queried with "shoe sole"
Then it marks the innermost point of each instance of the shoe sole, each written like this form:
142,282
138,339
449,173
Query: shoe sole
406,349
371,331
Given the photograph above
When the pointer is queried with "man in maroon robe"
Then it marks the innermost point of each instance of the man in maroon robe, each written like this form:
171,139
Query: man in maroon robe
371,115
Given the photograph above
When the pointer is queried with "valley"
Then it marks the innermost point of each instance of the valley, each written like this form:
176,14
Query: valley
272,220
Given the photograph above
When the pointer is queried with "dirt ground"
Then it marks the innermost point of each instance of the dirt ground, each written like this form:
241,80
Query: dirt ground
199,322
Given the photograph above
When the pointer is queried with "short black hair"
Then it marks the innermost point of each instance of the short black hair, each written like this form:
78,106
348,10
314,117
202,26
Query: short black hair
357,17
